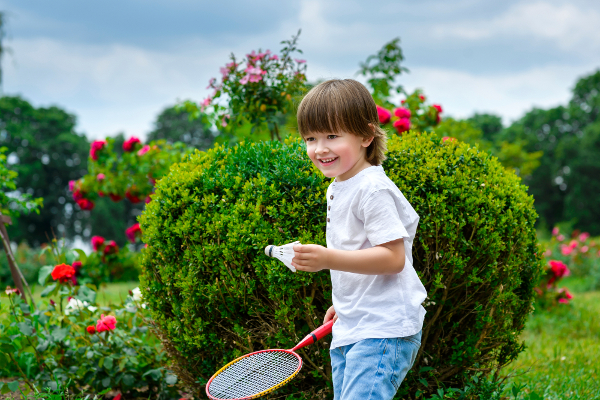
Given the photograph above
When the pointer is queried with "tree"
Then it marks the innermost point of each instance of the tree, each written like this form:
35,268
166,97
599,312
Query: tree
566,135
173,126
46,152
489,124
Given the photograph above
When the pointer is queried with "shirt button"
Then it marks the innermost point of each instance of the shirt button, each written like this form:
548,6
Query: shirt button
329,208
331,197
327,219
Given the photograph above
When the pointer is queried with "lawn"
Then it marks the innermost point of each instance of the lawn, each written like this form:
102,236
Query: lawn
563,348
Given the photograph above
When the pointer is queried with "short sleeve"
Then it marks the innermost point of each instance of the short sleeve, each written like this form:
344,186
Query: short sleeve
381,218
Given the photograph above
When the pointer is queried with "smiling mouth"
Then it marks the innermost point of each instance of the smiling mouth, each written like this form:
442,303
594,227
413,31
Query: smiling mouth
327,161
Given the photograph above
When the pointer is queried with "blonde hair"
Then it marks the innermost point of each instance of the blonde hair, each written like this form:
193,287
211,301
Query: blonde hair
343,105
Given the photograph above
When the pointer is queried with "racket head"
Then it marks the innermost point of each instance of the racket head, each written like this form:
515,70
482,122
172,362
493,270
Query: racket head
254,375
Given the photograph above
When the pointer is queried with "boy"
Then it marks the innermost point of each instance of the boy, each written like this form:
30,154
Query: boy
377,294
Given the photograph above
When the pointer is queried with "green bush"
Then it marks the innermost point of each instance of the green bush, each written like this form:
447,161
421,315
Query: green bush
215,296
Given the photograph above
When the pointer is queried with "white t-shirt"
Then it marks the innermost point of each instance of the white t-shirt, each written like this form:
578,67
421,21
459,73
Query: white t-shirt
365,211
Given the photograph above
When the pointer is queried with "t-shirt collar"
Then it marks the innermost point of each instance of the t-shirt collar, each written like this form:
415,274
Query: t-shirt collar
356,178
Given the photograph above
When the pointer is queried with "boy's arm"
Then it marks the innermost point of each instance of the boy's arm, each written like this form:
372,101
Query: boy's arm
386,258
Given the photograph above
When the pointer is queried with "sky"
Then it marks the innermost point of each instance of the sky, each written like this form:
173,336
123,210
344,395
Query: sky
117,64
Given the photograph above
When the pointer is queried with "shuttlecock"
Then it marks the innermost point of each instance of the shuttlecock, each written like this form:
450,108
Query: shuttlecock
283,253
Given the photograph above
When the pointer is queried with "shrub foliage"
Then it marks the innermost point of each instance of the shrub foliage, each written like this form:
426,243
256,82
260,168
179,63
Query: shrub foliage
215,296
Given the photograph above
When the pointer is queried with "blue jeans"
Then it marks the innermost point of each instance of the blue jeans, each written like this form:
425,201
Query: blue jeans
372,369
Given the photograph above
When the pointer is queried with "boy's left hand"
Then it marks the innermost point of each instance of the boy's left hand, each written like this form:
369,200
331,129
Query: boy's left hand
310,257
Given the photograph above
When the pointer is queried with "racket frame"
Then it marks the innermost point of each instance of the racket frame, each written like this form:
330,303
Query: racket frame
254,396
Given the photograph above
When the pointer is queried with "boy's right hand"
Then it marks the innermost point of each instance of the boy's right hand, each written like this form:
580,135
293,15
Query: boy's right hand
330,314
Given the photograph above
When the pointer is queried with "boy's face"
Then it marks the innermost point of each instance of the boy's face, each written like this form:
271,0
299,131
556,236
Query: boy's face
340,155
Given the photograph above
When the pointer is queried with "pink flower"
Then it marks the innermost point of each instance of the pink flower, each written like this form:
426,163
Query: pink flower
71,185
560,238
111,248
555,231
132,232
129,144
384,115
438,108
143,150
205,103
564,296
449,138
100,177
421,97
299,61
10,291
274,57
212,81
566,250
85,204
107,323
76,265
148,199
402,112
96,146
97,242
584,249
559,269
402,125
584,236
548,253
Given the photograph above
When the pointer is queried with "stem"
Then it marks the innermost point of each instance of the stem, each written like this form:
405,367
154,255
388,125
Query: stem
21,371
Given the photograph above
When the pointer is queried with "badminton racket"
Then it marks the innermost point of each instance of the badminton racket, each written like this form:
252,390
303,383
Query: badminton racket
256,374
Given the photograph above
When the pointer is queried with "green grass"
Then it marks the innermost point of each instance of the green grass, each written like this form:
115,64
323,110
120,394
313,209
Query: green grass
562,358
107,294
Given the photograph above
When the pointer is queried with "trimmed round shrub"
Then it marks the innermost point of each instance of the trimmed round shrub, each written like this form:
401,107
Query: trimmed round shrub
214,295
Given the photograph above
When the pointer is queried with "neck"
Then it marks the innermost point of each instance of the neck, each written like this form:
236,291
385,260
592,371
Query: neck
356,168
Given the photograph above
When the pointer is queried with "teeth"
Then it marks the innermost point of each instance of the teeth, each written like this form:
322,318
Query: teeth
328,160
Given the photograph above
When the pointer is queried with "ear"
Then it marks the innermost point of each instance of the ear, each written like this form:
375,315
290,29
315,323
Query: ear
366,142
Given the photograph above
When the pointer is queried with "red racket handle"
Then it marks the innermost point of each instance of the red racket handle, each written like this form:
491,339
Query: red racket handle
315,335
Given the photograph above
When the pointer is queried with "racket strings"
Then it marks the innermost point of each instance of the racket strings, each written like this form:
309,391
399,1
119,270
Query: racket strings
254,374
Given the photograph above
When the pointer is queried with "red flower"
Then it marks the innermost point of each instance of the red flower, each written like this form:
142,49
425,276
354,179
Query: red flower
78,195
85,204
100,193
421,97
448,138
115,197
402,125
148,199
438,108
107,323
117,397
52,303
63,273
97,241
96,146
558,268
10,291
132,198
402,112
76,265
111,248
132,232
129,144
384,115
564,296
91,329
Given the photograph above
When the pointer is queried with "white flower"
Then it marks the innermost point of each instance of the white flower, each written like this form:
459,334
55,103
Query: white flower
137,294
77,305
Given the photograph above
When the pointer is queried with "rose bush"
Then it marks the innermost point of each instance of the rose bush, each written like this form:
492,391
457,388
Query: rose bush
70,338
259,89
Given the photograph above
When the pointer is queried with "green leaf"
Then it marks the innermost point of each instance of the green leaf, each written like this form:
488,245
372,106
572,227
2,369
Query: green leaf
60,334
49,289
4,389
128,380
25,328
105,382
108,363
86,294
425,369
171,379
45,271
82,255
155,374
13,386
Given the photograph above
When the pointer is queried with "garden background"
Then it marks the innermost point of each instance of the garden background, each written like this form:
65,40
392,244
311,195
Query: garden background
94,186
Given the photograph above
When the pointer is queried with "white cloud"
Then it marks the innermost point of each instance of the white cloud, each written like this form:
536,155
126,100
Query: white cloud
571,28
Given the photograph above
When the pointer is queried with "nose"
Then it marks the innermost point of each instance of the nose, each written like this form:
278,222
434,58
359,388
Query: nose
321,147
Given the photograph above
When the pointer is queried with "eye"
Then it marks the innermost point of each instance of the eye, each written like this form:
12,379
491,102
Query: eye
331,136
309,139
